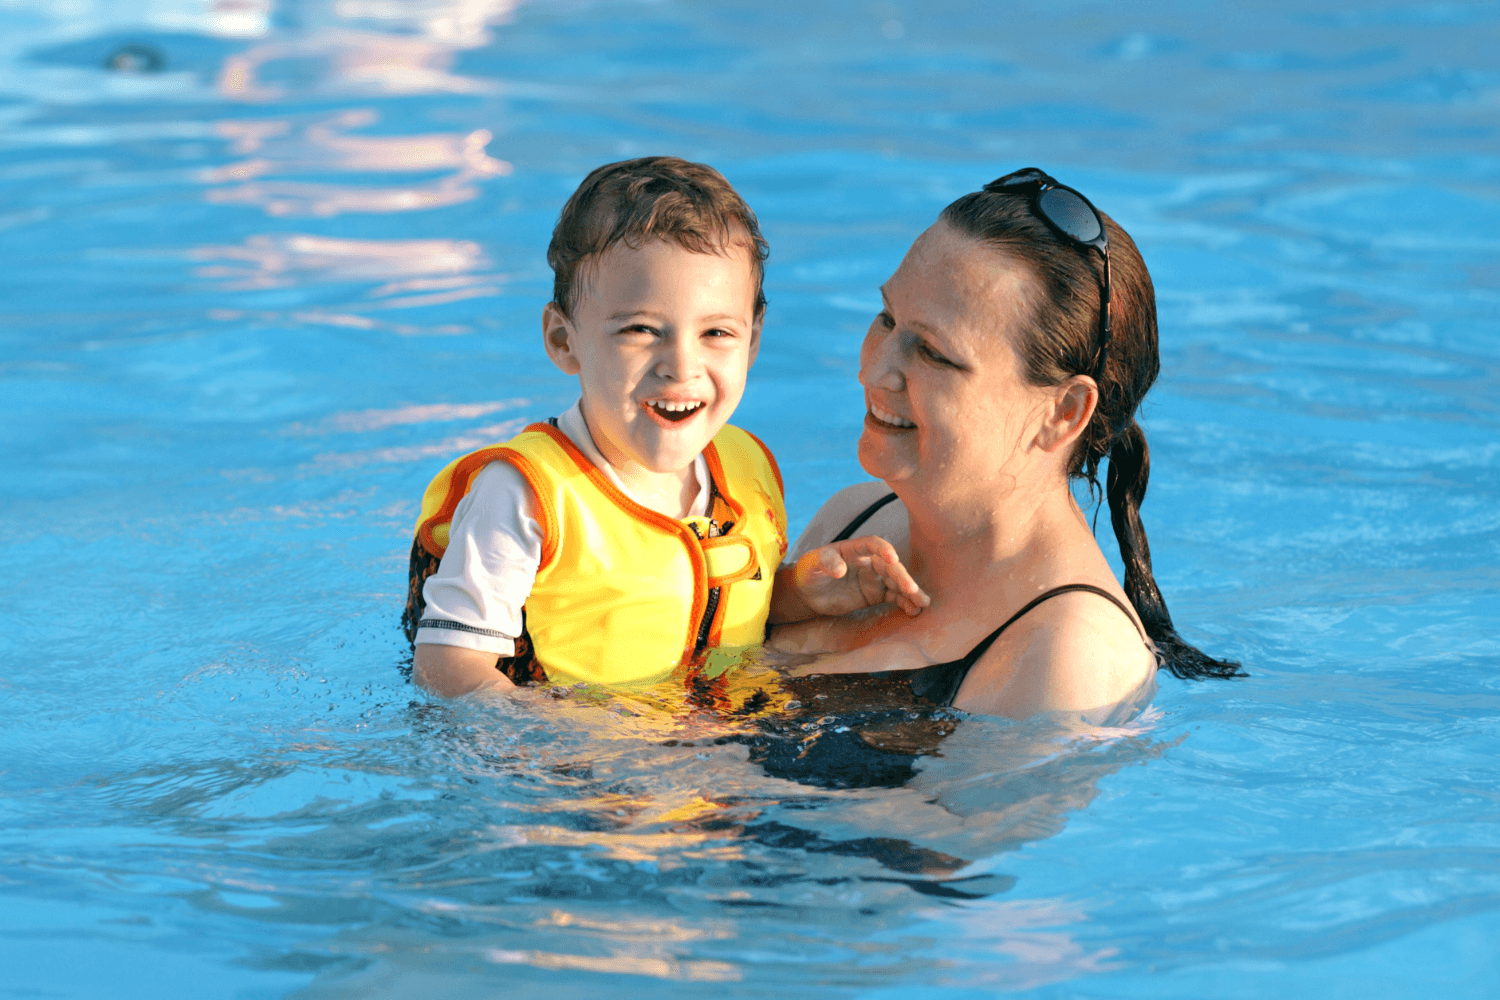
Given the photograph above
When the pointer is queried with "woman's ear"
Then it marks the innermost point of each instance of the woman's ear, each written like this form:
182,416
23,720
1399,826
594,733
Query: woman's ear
1072,406
558,337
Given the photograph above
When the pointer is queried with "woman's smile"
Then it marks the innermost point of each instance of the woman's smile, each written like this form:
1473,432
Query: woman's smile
886,420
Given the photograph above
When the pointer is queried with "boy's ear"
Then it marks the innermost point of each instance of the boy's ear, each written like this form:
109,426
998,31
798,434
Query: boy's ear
755,337
557,338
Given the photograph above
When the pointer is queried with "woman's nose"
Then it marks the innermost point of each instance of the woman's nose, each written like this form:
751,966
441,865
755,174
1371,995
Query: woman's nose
877,361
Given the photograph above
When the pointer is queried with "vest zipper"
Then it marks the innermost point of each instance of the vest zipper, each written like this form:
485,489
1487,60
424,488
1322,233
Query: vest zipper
708,619
712,605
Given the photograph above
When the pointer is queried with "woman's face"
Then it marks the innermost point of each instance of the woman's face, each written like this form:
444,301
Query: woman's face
946,406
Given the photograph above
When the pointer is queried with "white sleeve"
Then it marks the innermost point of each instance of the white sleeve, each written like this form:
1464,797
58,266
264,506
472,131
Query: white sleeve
475,598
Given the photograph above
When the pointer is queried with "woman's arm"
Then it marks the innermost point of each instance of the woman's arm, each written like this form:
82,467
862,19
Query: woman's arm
1078,654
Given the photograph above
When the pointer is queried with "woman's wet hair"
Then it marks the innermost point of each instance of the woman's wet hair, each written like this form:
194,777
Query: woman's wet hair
651,198
1061,341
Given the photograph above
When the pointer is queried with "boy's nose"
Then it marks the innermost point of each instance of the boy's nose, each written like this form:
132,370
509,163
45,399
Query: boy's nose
679,360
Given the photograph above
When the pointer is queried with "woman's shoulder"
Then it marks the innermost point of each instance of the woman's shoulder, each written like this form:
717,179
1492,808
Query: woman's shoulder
1076,652
840,510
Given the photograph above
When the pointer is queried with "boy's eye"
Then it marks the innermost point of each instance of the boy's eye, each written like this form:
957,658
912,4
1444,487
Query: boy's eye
718,331
886,320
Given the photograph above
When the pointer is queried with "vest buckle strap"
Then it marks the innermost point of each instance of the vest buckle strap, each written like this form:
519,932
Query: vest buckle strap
730,559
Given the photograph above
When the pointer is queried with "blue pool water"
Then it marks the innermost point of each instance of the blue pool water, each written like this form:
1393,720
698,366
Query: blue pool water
254,296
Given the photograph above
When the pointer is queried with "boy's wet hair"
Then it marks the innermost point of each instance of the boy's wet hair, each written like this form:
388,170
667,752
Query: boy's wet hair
651,198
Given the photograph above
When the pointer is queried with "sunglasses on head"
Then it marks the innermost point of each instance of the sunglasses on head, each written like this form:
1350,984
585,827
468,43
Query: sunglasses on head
1072,215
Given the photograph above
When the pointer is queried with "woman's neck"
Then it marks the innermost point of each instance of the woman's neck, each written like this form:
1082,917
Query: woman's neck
965,542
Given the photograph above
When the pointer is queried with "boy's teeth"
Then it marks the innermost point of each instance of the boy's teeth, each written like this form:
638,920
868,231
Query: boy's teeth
674,407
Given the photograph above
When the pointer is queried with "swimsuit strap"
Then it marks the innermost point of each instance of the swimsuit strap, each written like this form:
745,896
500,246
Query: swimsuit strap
940,681
864,515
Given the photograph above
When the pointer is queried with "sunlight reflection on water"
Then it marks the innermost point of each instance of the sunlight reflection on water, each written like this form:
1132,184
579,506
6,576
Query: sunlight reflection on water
256,295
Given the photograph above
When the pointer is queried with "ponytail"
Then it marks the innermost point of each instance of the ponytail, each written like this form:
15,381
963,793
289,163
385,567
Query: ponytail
1060,341
1129,471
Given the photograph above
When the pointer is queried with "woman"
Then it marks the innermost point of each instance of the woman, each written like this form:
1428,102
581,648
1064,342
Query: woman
1017,340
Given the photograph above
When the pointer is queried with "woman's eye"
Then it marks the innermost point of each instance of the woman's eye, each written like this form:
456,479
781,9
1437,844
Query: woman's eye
934,356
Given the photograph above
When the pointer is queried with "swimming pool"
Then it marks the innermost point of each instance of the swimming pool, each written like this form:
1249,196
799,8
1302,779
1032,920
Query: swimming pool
255,295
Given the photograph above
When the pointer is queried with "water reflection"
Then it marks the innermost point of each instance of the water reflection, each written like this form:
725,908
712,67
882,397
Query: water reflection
378,420
1032,940
659,763
411,274
411,54
365,421
277,260
243,18
278,147
603,833
325,145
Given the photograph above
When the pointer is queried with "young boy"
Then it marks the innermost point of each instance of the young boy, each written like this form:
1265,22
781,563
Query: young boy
637,530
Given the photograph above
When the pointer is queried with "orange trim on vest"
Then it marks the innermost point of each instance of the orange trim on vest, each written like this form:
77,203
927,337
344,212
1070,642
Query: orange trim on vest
651,517
544,505
603,611
458,485
716,471
770,460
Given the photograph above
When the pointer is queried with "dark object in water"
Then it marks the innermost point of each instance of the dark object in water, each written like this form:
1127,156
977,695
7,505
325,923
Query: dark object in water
852,731
829,759
897,855
135,58
142,51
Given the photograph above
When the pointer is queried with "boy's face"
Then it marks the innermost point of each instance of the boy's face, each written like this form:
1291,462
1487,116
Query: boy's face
661,340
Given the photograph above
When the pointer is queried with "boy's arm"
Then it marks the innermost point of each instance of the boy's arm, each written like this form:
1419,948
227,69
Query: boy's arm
451,671
474,601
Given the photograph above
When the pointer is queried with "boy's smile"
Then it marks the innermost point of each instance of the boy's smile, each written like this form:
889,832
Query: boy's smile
661,339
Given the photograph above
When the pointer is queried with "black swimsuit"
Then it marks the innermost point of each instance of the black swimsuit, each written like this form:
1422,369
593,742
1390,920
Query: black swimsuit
868,730
939,682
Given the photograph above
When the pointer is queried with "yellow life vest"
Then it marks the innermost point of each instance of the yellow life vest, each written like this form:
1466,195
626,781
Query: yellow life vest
625,594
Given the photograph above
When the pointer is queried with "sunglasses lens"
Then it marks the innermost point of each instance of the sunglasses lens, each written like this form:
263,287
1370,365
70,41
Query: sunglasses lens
1070,213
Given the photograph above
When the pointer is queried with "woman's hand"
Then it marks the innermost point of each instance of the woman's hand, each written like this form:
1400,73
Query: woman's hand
841,577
